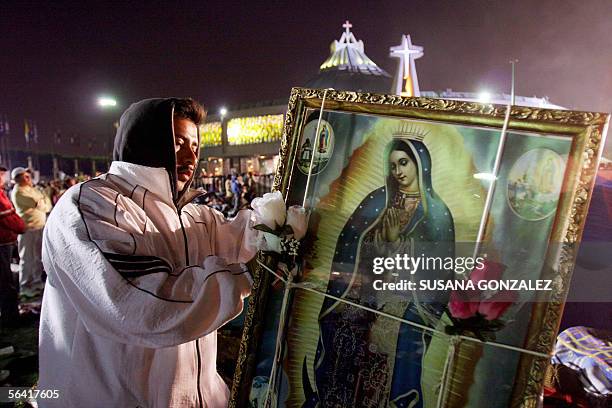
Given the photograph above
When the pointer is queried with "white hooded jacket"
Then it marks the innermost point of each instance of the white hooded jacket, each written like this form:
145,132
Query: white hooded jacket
136,290
135,293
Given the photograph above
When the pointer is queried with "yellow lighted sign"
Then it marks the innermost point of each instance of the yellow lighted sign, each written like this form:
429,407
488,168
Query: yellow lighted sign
254,129
210,134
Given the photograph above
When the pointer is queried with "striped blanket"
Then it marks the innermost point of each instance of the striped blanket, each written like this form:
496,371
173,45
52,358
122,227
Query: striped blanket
589,353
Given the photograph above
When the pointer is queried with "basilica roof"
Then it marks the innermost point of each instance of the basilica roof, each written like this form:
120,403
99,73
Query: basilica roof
349,68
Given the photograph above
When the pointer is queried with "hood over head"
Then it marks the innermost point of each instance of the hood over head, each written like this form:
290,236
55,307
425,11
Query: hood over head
146,137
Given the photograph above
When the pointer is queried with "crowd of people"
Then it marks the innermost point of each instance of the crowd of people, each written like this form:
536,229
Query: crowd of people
231,193
24,206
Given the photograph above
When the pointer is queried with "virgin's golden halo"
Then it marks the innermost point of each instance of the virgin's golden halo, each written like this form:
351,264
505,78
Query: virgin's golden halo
410,131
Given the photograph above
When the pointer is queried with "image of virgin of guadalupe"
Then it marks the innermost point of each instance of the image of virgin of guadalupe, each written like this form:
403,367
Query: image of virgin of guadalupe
364,359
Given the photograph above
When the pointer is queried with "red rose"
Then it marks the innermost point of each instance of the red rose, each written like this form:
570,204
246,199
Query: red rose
463,305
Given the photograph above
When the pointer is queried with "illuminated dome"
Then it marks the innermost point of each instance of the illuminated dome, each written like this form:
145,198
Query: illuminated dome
348,68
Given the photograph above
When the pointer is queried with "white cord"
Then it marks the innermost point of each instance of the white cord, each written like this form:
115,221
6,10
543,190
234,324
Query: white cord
448,363
489,199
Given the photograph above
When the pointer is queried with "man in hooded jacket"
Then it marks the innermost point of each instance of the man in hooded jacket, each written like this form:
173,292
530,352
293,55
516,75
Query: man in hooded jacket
139,279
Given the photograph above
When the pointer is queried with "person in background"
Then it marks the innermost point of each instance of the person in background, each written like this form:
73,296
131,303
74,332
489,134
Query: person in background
69,182
236,194
228,189
32,206
208,182
249,181
55,191
11,225
245,198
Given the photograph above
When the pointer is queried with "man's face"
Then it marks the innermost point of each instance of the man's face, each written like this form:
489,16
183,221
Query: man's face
25,179
2,178
186,148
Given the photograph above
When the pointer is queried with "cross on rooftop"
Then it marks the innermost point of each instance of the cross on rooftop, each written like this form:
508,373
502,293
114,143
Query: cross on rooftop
347,25
407,53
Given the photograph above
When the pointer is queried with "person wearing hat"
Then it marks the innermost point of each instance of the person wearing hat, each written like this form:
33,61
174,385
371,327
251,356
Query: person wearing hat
32,206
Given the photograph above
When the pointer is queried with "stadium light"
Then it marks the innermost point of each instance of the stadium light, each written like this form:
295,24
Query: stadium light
106,102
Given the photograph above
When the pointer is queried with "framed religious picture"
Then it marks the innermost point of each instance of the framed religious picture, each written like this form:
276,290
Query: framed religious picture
439,252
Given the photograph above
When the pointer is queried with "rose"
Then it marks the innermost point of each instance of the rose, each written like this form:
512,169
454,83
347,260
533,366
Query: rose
297,219
270,210
497,304
463,305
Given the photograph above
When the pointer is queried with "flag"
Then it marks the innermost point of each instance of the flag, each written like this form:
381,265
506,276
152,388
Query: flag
30,132
26,131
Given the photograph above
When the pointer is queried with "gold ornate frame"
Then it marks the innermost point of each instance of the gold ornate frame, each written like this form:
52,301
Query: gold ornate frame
587,130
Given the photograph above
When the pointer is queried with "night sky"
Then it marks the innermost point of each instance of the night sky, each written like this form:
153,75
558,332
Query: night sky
56,59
